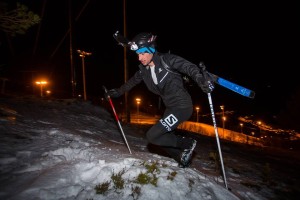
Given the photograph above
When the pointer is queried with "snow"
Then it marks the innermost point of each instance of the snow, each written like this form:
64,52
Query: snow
70,149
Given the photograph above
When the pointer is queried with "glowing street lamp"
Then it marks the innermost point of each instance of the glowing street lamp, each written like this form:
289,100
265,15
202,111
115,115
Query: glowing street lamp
138,101
197,111
41,84
48,92
259,123
82,54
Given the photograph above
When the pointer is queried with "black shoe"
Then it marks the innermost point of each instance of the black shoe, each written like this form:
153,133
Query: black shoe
186,155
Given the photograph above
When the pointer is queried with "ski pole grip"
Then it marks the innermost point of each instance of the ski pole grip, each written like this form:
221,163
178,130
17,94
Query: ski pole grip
105,95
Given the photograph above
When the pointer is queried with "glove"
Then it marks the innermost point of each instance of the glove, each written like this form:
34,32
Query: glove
206,84
205,81
112,93
207,87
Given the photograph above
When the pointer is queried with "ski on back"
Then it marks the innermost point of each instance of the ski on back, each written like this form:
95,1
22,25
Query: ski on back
234,87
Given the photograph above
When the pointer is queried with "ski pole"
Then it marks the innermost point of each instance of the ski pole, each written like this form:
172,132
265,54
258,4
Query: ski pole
117,118
217,136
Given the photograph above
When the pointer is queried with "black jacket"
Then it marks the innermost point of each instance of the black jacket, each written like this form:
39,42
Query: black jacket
170,85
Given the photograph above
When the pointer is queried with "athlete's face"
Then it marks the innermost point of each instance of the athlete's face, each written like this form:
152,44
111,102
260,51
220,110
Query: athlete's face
145,58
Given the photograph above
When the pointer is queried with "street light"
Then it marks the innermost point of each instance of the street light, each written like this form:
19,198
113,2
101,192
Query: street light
138,101
82,54
48,92
259,126
223,118
241,124
197,110
41,84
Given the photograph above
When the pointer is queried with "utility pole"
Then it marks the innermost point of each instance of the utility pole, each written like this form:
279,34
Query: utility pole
127,107
73,82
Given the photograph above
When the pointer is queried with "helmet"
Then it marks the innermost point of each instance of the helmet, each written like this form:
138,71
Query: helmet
143,42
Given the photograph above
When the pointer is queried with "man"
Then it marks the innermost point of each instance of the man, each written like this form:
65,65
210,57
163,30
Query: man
162,74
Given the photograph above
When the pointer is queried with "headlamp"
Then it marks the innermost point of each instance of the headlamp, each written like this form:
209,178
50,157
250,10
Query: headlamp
133,46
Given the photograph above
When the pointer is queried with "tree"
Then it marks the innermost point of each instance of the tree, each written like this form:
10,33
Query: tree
12,22
18,20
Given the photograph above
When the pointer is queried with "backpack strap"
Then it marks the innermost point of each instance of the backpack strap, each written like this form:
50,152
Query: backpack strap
167,67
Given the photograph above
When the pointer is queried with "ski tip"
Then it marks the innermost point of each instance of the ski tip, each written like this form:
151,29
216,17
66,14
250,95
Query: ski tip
252,95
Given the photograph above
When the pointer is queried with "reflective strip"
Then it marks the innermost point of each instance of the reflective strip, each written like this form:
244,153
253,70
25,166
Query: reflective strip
164,77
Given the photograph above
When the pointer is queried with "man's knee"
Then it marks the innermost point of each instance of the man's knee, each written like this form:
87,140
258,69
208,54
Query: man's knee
154,133
151,137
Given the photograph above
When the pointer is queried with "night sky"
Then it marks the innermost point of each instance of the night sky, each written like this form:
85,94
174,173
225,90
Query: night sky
253,44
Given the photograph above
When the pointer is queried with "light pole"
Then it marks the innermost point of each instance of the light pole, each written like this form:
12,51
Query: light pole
259,126
82,54
241,124
138,101
197,111
223,118
41,84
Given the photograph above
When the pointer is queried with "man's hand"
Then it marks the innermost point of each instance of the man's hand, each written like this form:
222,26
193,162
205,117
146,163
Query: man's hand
206,81
112,93
207,87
